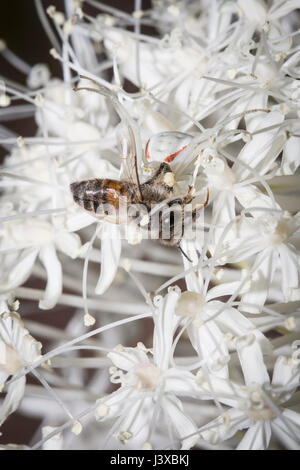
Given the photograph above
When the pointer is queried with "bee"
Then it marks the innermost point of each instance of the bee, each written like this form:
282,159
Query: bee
144,202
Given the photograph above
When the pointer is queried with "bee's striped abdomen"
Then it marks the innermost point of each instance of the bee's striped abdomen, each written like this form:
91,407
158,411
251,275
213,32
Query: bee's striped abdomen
99,194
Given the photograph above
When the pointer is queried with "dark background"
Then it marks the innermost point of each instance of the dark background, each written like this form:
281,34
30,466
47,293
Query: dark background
21,29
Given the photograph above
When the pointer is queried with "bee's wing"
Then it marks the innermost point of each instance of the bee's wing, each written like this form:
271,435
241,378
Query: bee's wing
165,146
127,149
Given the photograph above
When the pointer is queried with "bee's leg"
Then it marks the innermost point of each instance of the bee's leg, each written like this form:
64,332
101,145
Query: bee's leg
187,199
182,201
200,206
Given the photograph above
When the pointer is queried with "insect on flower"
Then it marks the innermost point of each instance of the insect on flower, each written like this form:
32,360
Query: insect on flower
149,205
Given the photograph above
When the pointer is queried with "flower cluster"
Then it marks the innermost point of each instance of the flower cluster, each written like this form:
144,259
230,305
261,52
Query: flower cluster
210,359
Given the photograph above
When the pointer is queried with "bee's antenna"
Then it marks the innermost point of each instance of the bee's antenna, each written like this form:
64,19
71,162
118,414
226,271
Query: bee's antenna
184,254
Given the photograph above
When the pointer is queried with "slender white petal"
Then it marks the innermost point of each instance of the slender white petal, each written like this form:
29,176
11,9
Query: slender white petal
285,372
262,276
287,429
20,272
208,340
256,438
251,358
225,426
127,358
181,383
14,395
110,257
289,263
182,423
68,243
54,277
252,153
290,160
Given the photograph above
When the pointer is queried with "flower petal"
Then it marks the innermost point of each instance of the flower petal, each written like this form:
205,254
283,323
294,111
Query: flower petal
54,277
184,426
79,220
263,273
208,340
290,158
262,150
127,358
286,372
181,382
68,243
287,429
289,264
21,271
251,359
110,256
14,395
225,426
257,437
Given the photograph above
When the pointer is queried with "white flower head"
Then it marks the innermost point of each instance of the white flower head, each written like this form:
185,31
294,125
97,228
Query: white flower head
146,378
213,95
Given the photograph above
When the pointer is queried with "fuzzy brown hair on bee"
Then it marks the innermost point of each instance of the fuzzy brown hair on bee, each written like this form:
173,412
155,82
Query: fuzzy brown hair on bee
92,194
104,198
99,196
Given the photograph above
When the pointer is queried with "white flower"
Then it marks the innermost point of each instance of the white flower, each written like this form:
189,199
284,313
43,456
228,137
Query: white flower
259,407
147,383
40,238
214,329
273,238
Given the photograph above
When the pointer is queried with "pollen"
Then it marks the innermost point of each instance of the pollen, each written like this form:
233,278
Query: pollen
169,179
174,10
284,108
2,45
126,264
69,25
51,10
4,101
102,410
59,18
124,436
88,320
226,419
39,100
20,142
290,323
147,446
76,428
231,73
54,53
138,14
219,273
